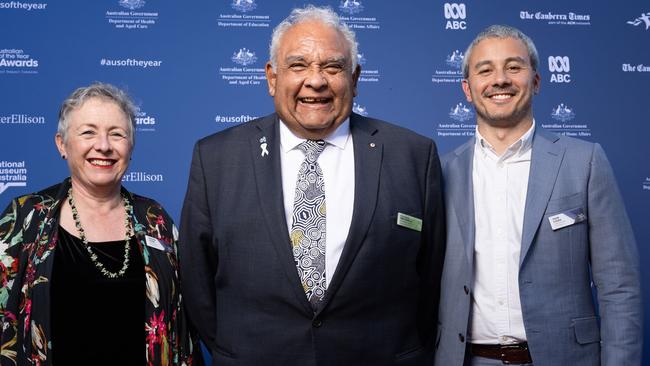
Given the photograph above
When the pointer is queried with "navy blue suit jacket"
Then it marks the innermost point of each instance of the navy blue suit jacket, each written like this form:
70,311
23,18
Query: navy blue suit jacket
240,282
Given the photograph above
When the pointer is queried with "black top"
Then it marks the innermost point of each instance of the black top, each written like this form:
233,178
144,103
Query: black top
97,320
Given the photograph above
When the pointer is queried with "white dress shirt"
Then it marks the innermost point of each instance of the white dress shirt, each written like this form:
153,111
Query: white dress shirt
500,186
337,163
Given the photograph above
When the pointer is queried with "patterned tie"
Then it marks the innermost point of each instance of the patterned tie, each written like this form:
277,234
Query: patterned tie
308,228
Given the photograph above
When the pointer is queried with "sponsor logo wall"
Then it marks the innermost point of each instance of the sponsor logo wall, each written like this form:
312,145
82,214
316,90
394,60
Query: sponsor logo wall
194,69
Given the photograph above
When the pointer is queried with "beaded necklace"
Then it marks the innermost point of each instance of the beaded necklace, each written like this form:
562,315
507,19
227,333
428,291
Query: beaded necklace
93,257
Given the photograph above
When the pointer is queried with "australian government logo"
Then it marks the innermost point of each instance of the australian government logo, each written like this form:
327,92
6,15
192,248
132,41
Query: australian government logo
564,123
19,5
244,16
451,72
12,174
17,61
142,177
643,21
556,18
234,119
144,122
559,66
638,68
131,16
461,122
359,109
244,72
369,74
350,12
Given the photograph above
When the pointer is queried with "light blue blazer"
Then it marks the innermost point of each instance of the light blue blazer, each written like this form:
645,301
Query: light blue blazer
565,324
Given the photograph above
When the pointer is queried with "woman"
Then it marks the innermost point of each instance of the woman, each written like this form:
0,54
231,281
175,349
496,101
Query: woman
79,259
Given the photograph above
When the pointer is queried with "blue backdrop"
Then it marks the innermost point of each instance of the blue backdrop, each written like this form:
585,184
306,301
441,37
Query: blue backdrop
195,68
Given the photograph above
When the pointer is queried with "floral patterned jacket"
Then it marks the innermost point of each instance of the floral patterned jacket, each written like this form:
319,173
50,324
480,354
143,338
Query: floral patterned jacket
28,236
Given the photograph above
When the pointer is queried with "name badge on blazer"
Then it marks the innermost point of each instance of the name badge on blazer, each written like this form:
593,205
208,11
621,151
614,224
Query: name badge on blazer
567,218
409,222
155,243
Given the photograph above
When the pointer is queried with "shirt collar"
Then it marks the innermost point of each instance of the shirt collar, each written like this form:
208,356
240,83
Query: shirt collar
518,148
338,138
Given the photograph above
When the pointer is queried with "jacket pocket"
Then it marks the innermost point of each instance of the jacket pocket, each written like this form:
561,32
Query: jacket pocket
586,329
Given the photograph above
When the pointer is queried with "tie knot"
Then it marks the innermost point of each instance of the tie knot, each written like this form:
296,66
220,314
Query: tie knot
312,149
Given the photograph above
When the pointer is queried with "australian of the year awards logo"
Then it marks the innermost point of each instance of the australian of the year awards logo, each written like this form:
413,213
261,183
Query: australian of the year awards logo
12,174
350,11
244,72
455,16
556,18
130,16
451,72
563,117
645,185
559,66
461,124
642,20
144,122
368,74
17,61
359,109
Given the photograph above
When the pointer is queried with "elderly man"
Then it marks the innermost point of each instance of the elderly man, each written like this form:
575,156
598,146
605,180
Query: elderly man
533,219
314,236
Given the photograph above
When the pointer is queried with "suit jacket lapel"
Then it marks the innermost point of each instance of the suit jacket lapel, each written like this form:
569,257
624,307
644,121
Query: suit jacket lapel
268,177
544,166
461,194
368,152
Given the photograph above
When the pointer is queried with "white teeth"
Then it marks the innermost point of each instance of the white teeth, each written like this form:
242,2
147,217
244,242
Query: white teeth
101,162
313,100
501,96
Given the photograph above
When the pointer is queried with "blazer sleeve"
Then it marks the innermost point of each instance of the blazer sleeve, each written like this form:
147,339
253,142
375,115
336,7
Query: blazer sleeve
197,254
615,267
432,253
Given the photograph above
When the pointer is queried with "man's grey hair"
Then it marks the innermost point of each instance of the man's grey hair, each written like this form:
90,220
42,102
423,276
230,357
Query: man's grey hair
97,90
502,31
324,15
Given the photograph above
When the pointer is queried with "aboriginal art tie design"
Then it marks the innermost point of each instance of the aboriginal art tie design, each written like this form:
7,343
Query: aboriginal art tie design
308,228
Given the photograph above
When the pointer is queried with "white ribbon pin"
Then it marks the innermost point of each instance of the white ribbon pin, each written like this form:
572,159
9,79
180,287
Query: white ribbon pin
263,146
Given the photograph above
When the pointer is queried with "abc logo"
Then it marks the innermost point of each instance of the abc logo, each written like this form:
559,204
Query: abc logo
559,66
455,14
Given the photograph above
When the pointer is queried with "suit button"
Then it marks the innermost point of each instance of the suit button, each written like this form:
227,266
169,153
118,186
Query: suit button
461,337
466,290
317,323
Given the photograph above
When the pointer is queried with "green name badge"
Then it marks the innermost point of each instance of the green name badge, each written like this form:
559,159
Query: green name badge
409,222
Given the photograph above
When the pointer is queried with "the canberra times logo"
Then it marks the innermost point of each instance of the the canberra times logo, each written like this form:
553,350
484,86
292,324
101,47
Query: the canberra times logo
12,174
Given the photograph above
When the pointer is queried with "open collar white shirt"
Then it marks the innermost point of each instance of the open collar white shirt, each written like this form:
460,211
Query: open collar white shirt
500,187
337,163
